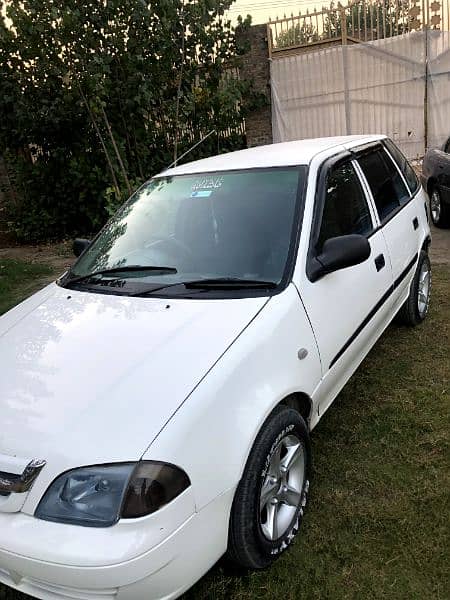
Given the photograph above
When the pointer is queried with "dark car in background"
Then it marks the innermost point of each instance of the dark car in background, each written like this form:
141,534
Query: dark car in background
436,181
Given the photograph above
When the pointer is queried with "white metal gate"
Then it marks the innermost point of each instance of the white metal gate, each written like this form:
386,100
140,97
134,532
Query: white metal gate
398,85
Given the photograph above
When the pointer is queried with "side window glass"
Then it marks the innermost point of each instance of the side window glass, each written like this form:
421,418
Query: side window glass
447,146
405,167
387,186
345,208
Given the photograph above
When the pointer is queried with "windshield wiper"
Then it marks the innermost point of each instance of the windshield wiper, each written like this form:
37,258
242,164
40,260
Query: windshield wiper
218,283
229,282
124,269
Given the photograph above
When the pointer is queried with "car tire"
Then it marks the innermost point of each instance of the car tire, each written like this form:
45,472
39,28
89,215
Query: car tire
271,497
415,309
440,212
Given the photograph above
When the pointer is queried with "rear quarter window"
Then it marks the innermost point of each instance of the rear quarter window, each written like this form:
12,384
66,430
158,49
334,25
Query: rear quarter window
404,166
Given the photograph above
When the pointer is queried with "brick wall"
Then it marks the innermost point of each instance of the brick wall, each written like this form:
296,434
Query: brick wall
255,67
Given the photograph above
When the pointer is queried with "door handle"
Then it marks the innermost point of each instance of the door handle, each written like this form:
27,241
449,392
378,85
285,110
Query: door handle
416,223
380,262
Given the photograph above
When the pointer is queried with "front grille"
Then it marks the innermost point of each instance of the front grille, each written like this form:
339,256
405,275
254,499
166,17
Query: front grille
18,484
10,477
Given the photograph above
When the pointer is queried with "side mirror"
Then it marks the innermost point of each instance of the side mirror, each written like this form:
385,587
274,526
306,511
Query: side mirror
339,253
79,246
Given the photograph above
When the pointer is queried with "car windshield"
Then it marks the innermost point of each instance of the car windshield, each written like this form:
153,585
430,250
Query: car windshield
227,225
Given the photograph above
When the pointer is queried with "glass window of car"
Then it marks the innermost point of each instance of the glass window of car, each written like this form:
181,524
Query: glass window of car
214,225
388,188
447,146
404,166
345,209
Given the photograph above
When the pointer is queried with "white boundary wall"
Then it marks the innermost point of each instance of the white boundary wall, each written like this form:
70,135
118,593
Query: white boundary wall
373,87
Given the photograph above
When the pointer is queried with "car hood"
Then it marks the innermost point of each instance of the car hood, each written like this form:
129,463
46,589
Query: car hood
92,378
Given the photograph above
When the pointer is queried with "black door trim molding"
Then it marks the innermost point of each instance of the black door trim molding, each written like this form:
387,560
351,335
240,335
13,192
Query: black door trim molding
405,271
375,309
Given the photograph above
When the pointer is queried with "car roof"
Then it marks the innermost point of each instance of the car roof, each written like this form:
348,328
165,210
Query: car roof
298,152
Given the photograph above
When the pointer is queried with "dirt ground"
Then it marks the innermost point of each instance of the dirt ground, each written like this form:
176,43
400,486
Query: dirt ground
57,256
440,246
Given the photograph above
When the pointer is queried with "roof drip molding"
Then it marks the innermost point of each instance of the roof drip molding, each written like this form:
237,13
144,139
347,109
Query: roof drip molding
285,154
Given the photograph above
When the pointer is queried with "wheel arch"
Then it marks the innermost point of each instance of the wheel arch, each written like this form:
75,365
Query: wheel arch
300,402
426,244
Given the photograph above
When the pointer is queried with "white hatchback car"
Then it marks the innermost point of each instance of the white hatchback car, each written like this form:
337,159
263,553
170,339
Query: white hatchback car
156,401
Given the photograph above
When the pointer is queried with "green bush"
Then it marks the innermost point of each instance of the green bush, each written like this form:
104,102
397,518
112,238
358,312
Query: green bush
96,98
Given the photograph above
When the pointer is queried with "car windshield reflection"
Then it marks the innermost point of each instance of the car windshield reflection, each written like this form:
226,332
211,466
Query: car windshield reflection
214,226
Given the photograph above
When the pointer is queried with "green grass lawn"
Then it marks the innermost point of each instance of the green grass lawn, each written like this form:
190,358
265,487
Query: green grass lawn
377,524
18,280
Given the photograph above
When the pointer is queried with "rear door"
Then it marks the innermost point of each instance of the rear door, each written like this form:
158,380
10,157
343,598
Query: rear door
399,214
347,308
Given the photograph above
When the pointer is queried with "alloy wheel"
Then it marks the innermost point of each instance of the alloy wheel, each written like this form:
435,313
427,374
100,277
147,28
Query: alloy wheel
281,491
435,206
423,289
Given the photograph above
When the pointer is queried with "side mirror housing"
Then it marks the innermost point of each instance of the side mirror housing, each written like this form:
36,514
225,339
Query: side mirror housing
339,253
80,245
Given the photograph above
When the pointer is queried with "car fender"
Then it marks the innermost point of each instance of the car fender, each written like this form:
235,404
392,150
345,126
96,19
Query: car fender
212,433
421,201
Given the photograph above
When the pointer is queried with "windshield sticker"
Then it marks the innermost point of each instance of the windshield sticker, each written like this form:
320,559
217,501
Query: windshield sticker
207,183
201,194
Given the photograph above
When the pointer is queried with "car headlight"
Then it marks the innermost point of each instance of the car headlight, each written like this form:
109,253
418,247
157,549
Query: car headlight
99,496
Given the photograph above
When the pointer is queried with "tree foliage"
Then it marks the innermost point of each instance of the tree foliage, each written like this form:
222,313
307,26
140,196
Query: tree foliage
98,95
368,20
300,34
364,20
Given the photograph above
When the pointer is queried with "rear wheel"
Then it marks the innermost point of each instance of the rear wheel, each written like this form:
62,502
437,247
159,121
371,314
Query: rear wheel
271,497
440,212
415,309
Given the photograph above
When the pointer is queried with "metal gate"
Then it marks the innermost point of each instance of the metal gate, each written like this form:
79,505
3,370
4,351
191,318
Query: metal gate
352,73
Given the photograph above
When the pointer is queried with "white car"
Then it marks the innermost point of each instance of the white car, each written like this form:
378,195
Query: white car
156,401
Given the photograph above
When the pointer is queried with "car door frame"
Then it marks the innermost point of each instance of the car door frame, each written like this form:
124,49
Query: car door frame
402,279
335,376
442,170
327,165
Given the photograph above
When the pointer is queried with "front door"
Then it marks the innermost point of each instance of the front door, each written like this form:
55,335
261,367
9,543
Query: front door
347,308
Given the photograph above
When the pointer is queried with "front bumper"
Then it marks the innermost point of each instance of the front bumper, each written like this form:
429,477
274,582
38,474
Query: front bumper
163,572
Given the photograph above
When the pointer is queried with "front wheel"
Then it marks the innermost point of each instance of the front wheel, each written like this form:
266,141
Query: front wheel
415,309
271,497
